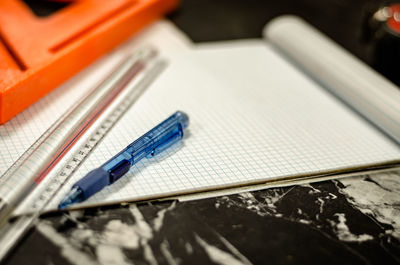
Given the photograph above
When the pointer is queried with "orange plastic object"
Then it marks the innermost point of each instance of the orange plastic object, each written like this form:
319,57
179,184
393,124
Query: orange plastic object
38,54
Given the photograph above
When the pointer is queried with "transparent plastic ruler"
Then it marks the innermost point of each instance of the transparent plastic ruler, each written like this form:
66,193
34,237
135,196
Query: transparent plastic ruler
39,199
89,134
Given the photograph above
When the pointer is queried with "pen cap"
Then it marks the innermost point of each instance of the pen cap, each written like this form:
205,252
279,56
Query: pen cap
182,118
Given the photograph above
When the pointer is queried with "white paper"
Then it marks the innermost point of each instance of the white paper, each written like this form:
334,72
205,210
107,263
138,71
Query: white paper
254,117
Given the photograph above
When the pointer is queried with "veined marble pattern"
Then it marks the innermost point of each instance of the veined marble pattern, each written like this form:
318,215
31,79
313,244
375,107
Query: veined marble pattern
349,221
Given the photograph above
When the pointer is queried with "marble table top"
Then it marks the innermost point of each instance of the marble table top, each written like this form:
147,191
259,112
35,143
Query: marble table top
348,221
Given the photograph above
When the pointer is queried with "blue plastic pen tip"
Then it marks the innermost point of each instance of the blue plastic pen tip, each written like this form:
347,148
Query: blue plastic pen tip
75,195
62,206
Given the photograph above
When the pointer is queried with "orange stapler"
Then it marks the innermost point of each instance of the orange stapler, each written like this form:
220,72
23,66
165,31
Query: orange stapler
39,53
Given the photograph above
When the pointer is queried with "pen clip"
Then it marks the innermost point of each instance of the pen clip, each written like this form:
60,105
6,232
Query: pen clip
119,170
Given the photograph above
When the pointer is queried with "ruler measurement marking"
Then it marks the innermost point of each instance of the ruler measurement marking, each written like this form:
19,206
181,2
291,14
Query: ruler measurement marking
73,163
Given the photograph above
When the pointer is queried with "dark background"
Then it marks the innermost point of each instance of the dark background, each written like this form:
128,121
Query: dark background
216,20
213,20
345,21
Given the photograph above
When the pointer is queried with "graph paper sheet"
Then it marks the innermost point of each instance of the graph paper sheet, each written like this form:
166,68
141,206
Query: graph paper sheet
253,118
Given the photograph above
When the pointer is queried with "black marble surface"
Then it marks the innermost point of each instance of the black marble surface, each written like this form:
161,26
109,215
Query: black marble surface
349,221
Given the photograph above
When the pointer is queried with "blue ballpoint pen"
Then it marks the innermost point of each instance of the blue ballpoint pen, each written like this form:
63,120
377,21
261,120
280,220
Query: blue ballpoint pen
150,144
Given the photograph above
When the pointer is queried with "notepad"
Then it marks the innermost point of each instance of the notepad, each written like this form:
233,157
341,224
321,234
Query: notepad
255,117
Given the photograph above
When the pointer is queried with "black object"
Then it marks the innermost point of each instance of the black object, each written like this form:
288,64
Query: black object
382,33
45,8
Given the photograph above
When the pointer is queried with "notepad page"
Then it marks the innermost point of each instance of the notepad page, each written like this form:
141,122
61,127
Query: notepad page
21,132
253,118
